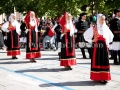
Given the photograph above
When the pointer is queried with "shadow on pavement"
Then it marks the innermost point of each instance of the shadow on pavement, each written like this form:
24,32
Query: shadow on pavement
41,70
3,52
84,59
19,62
5,58
83,63
80,83
47,58
49,54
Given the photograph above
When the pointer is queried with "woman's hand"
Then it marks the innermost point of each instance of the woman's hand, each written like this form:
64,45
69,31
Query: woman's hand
65,31
94,40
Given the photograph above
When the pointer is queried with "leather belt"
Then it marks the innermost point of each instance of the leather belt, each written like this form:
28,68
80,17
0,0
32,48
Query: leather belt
116,31
81,31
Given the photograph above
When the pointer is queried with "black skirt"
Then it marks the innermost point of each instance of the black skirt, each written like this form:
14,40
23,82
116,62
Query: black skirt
33,45
67,57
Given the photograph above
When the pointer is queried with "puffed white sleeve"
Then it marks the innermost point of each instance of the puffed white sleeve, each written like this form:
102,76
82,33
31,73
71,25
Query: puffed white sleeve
54,26
5,27
18,30
88,34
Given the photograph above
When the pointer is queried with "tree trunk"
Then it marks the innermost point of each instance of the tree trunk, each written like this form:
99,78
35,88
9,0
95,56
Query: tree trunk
96,6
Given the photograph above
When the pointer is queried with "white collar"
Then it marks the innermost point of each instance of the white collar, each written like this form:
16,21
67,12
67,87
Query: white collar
83,20
117,17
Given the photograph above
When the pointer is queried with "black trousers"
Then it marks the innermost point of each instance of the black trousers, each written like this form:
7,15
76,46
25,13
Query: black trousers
115,54
83,52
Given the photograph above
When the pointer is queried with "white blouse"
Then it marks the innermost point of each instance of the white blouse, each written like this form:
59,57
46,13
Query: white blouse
105,31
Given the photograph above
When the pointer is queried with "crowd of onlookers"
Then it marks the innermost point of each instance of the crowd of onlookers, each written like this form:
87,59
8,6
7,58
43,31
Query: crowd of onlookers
44,23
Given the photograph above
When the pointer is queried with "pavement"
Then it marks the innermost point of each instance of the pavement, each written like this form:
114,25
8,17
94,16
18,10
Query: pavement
47,74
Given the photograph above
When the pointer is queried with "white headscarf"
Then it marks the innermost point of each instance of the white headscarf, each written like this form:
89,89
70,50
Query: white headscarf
104,30
70,26
33,21
11,18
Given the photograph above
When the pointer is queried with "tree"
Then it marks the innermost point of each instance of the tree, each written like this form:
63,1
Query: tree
54,8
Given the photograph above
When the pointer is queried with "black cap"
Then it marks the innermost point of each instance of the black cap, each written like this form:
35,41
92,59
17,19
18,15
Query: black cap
82,14
116,10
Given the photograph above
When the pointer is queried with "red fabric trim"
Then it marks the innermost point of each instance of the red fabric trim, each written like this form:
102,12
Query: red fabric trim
99,37
13,53
100,76
13,28
67,62
33,55
67,51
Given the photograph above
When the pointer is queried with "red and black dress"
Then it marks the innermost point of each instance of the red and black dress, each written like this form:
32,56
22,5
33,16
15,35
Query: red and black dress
12,43
67,57
100,68
33,47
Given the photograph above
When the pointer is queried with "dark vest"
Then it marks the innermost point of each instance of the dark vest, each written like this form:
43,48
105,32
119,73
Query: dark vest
115,26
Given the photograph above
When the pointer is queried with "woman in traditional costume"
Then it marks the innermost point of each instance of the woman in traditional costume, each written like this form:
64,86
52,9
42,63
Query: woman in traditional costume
12,30
67,56
33,47
100,36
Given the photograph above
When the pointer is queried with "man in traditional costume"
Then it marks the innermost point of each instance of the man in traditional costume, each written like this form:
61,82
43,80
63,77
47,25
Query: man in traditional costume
33,48
12,29
102,36
57,29
67,56
81,26
115,28
23,34
1,38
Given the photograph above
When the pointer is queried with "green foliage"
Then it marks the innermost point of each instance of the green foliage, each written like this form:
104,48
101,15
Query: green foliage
54,8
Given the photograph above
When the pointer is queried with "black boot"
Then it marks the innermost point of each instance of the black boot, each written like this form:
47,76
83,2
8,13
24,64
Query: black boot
59,55
83,53
111,53
115,57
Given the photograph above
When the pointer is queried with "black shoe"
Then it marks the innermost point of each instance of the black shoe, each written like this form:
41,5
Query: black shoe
32,60
1,48
70,68
116,63
103,82
111,58
13,57
84,57
16,58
